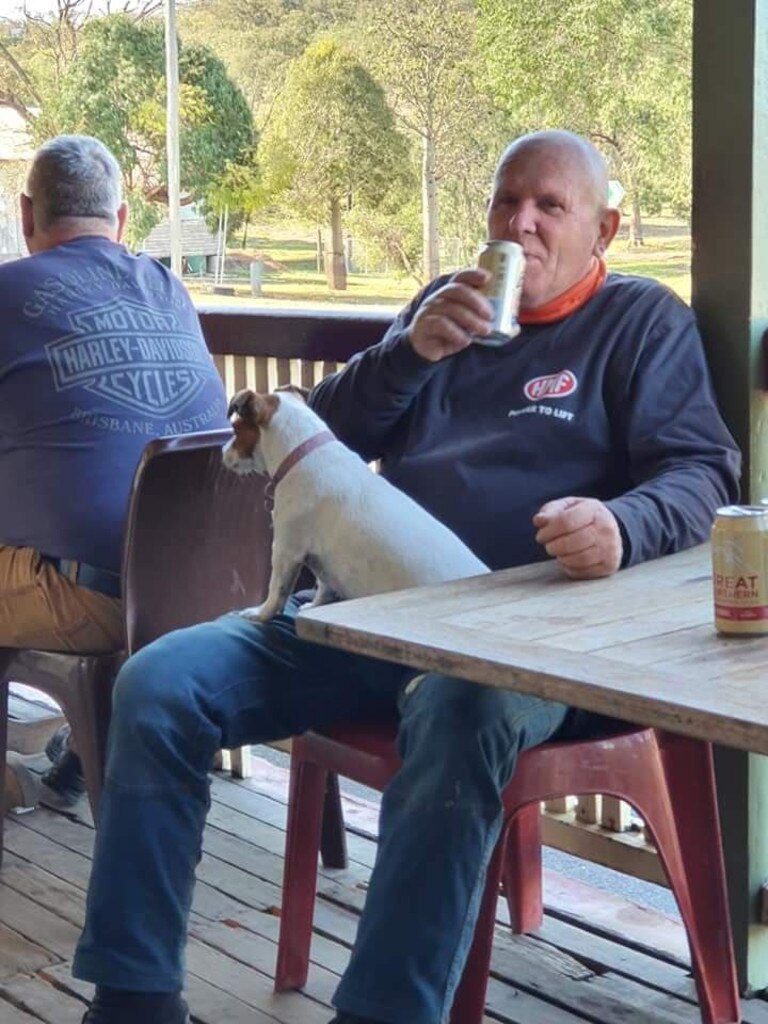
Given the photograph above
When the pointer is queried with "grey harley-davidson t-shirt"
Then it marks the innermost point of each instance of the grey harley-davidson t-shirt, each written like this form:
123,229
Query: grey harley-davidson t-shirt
100,351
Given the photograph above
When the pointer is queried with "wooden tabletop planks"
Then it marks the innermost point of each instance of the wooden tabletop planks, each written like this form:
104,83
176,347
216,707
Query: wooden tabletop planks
640,645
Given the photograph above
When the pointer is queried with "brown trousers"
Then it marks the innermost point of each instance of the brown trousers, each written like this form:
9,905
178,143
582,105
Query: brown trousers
40,608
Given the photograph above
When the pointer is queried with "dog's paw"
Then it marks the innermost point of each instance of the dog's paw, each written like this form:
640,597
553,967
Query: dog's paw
235,464
259,613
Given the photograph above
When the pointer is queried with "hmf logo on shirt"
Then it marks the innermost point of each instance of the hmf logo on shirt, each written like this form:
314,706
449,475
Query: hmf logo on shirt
541,390
552,385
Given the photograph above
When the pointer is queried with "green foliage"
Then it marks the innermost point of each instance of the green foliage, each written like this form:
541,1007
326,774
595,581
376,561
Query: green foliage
240,188
115,89
258,39
143,215
468,158
617,71
17,87
424,52
331,135
468,74
391,232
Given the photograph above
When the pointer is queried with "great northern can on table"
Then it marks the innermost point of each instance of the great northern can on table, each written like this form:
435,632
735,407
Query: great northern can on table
740,568
506,263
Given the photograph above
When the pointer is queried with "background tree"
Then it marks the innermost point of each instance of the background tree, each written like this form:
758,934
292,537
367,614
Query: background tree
258,39
242,191
617,71
37,48
390,231
422,50
331,142
469,158
114,88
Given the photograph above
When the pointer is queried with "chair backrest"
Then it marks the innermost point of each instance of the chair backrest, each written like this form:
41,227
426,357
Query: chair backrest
197,541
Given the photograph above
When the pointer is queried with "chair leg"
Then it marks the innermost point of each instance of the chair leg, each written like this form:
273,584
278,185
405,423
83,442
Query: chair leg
3,749
333,840
469,1001
700,885
240,762
522,870
305,813
88,708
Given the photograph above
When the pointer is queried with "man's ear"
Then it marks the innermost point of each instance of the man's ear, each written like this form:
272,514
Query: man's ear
122,217
610,221
27,216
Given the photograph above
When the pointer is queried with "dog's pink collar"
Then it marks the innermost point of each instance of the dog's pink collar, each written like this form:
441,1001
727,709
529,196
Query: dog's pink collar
290,460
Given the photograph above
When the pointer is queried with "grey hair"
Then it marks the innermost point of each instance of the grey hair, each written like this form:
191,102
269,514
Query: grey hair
74,176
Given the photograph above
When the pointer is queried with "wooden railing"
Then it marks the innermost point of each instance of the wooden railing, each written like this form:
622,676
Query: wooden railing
262,350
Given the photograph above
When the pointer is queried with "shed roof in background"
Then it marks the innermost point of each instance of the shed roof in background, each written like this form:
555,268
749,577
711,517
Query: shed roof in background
196,239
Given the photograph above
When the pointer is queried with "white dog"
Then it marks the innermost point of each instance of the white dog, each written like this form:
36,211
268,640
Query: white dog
357,533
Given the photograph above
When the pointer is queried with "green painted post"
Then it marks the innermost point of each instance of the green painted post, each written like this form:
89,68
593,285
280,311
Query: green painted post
730,296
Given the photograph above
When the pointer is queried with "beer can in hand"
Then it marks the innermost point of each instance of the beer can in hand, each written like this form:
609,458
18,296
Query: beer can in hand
506,263
740,569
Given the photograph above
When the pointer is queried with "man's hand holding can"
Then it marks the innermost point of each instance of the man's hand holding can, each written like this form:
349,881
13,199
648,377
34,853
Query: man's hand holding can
505,262
453,317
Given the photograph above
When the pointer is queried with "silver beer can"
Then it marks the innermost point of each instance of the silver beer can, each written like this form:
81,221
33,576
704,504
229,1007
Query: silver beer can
506,263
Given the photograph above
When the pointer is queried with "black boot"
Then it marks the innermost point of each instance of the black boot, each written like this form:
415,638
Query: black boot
64,783
114,1006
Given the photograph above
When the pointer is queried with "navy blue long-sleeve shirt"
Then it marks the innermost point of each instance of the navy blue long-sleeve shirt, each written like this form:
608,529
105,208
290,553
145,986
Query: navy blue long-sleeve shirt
614,402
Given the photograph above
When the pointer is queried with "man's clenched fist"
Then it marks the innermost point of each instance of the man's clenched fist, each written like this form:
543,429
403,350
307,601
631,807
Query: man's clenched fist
582,534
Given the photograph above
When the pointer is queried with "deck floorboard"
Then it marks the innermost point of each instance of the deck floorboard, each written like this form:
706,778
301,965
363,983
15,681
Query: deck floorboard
571,971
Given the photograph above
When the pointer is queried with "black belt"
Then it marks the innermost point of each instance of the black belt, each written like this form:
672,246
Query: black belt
84,575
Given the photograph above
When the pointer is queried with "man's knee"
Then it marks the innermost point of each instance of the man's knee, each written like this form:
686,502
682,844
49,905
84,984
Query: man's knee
463,712
152,689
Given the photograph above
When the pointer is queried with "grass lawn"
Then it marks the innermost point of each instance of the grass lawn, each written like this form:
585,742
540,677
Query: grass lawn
291,276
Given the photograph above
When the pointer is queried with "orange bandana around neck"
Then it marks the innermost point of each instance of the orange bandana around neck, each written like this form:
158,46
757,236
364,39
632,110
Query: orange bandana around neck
574,298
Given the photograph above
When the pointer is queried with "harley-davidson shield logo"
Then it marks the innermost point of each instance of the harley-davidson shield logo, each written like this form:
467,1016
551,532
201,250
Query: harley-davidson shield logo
553,385
133,354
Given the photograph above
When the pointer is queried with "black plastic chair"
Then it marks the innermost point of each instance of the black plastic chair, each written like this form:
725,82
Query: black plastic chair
197,544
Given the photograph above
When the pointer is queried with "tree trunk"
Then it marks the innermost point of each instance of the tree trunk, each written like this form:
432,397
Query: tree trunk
246,222
335,271
430,248
635,223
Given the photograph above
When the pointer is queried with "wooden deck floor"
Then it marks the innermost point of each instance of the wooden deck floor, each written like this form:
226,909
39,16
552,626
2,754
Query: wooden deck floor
565,974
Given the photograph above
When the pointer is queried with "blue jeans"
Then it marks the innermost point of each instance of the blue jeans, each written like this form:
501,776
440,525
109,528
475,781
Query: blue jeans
230,682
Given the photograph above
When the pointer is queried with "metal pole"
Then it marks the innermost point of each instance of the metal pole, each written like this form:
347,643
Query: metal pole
224,234
172,134
219,257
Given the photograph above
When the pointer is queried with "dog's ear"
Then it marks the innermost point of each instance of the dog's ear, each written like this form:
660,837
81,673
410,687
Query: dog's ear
256,410
239,404
303,393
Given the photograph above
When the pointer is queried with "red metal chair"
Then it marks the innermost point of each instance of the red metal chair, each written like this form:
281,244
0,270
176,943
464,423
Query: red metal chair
669,779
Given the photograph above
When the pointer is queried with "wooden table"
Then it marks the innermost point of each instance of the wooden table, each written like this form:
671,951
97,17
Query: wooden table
640,645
